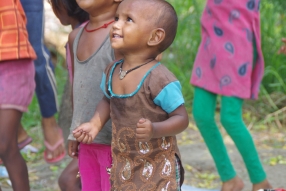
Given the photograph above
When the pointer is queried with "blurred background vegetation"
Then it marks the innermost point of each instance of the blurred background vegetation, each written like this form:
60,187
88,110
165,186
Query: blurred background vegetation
179,58
181,55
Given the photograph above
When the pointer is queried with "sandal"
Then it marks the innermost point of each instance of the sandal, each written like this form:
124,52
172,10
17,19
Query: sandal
53,148
25,142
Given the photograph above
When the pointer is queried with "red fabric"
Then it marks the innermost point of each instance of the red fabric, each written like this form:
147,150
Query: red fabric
14,43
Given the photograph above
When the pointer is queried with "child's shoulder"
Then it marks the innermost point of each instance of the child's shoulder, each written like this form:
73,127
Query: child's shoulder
159,78
73,34
161,73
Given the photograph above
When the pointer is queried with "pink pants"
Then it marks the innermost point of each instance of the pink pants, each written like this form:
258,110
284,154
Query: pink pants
94,159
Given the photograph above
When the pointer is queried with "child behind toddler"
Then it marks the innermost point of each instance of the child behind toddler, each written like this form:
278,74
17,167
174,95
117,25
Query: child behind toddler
69,13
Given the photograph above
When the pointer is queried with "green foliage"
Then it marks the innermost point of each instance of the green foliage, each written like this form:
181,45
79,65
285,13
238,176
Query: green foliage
273,22
180,56
277,160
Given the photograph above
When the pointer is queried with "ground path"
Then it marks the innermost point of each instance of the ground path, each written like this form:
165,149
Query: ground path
199,167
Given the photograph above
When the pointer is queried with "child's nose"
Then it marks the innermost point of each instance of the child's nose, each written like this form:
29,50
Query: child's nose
116,25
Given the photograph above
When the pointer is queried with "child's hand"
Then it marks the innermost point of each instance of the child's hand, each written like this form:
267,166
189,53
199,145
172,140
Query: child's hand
283,47
144,130
73,148
85,133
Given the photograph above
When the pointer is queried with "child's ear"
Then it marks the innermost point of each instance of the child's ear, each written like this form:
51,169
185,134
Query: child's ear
156,37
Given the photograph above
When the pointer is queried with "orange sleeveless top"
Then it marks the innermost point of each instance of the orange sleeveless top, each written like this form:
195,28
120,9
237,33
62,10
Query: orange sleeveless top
14,42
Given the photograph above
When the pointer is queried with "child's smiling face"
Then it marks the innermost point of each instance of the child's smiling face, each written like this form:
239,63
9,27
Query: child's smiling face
132,27
94,7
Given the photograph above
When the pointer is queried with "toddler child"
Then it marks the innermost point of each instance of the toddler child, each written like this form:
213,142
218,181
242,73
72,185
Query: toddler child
91,52
17,87
143,99
229,63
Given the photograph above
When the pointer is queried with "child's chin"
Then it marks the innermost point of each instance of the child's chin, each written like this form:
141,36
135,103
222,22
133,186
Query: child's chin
115,46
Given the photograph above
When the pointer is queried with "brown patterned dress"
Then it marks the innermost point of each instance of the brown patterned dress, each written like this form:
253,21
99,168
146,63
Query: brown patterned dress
148,166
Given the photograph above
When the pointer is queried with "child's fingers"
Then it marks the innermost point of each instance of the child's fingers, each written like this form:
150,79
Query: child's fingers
77,130
81,137
77,134
86,139
140,130
90,139
141,137
142,120
140,125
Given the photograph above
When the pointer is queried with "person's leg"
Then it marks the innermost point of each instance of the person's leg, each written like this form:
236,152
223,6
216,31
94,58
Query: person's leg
68,180
204,105
88,168
105,161
94,159
9,152
45,79
22,134
53,136
23,138
231,119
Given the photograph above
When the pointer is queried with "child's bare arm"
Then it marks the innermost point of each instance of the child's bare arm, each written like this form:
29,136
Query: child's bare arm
86,132
282,50
71,38
177,122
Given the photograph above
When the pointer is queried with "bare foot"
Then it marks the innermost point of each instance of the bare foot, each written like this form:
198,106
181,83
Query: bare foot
262,185
52,137
22,134
235,184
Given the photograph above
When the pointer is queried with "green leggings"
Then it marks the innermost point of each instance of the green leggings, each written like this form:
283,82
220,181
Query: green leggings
204,106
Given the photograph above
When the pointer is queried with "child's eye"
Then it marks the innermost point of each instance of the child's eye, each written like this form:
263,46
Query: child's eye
129,19
116,18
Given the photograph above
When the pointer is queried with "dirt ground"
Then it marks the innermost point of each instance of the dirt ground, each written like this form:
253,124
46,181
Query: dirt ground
199,166
201,171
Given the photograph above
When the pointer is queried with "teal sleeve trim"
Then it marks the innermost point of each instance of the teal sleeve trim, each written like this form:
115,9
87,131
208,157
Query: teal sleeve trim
170,98
102,85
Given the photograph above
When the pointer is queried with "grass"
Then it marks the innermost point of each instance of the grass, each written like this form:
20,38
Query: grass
180,56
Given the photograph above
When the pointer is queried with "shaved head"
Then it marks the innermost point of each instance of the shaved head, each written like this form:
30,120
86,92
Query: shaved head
160,14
